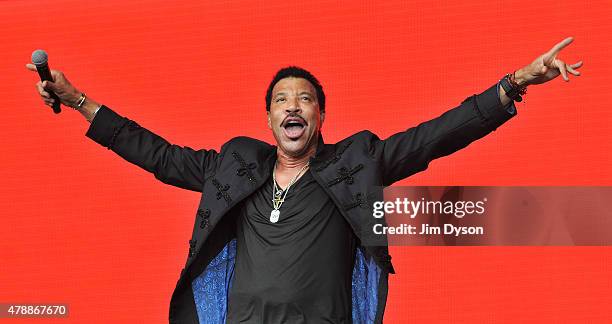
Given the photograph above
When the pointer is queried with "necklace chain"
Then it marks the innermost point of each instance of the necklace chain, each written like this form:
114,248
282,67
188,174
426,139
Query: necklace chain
278,195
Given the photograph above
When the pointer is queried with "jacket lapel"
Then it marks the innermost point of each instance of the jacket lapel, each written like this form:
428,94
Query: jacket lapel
323,153
264,171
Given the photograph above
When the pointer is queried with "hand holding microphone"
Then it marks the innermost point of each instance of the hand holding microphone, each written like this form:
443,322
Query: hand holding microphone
54,88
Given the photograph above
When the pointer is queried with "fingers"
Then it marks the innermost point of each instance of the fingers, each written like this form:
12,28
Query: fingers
40,87
42,91
57,75
576,65
45,96
49,102
561,66
48,85
565,68
553,51
572,71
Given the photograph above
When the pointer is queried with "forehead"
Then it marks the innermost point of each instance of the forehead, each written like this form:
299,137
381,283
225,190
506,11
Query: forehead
291,84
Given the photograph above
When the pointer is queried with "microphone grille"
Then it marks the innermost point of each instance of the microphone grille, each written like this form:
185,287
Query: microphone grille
39,57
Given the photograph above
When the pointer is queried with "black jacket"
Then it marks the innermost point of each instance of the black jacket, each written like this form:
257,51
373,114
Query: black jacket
352,171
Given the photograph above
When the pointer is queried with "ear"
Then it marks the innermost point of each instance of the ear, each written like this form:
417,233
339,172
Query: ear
269,121
322,118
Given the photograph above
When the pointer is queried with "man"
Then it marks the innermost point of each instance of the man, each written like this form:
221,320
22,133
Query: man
283,234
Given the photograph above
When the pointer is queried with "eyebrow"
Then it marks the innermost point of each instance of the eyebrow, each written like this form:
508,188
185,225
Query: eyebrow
299,94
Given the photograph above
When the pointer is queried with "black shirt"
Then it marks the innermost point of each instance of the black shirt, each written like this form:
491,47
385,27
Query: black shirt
297,270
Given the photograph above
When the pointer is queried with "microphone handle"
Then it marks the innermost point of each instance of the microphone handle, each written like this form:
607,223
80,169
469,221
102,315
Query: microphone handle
45,75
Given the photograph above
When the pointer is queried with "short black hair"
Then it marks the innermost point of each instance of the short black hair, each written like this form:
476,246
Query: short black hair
296,72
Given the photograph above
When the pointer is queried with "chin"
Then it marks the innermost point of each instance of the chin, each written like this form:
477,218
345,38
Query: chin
294,148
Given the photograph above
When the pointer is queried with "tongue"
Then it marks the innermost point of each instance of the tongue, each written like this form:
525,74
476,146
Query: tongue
294,131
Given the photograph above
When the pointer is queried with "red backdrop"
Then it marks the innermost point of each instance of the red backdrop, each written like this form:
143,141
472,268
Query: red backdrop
82,226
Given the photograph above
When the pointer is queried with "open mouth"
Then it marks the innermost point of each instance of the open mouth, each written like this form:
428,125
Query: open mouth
294,127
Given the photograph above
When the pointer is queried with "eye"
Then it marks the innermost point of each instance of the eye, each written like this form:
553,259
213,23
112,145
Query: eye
279,100
306,98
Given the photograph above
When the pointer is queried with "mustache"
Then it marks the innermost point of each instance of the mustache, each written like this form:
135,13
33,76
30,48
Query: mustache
294,115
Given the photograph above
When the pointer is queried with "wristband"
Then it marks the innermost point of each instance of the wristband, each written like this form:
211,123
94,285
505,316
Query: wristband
512,89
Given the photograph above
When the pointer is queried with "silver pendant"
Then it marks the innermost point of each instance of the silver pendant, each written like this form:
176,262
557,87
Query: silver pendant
274,215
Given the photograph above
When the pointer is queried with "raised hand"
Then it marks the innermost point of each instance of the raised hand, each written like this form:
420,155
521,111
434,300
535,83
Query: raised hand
68,94
547,67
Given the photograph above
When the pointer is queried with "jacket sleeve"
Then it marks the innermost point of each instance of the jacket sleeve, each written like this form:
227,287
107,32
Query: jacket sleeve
410,151
179,166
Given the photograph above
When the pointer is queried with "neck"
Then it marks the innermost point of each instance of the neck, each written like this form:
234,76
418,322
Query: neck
287,162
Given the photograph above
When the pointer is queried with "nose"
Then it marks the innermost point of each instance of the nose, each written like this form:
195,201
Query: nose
293,106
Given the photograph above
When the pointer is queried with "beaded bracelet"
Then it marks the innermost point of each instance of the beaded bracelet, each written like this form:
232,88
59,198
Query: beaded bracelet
522,88
513,90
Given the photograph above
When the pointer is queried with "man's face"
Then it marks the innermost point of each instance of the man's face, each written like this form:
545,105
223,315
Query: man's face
294,116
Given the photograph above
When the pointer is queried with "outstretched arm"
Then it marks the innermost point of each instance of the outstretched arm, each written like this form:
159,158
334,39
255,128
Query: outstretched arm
411,151
172,164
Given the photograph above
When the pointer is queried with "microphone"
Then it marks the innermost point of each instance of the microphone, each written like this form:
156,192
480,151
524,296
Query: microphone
40,59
